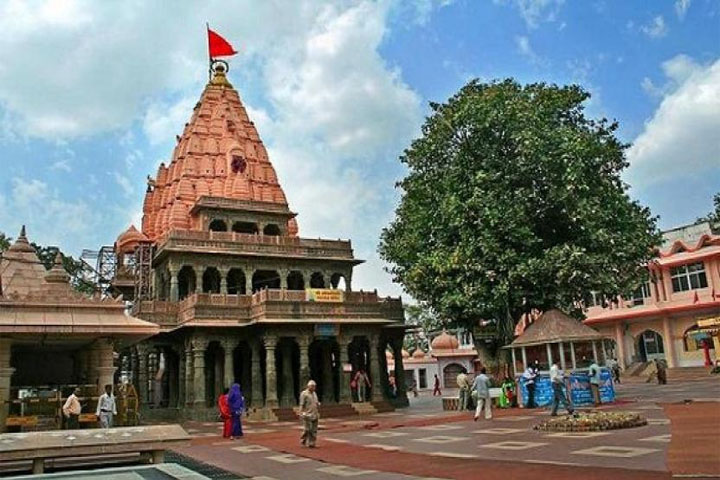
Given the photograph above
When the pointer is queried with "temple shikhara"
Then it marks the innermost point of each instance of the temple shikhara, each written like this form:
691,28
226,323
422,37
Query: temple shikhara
237,294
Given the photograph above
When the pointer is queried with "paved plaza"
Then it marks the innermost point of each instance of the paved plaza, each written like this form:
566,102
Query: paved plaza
425,442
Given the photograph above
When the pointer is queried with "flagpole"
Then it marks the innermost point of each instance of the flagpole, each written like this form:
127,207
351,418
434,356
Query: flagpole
207,26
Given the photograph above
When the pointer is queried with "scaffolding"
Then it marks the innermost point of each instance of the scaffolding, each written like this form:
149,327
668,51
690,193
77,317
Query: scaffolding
99,267
143,271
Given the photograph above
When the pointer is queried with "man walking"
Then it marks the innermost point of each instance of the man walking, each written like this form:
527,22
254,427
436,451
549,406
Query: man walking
106,408
594,373
529,377
481,393
362,381
464,392
309,413
436,389
72,409
557,379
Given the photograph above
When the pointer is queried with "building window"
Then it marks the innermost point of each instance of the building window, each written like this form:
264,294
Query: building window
642,292
688,277
422,377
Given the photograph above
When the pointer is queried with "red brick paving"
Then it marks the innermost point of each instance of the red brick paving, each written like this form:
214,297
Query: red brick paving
695,444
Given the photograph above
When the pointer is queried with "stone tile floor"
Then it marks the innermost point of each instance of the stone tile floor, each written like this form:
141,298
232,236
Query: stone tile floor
501,439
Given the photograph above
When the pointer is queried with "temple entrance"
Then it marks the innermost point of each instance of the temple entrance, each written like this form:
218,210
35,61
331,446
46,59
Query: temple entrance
323,369
242,358
650,346
214,371
288,368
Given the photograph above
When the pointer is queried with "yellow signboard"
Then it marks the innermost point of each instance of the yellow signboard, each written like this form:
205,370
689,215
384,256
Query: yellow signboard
323,295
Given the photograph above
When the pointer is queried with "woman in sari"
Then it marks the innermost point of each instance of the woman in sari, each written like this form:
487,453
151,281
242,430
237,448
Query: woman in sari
236,404
225,414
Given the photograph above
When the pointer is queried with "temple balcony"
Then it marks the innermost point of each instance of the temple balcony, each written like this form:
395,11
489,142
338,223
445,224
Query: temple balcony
234,243
269,306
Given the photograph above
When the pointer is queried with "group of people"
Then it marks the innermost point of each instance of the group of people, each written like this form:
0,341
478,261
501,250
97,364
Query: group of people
105,411
231,405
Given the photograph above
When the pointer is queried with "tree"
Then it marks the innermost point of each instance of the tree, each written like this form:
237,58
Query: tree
74,268
514,201
421,317
5,242
713,217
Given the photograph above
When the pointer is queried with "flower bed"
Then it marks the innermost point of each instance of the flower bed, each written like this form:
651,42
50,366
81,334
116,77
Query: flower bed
592,422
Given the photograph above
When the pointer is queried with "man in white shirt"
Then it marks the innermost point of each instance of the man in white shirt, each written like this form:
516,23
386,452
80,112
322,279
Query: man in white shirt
481,389
106,408
594,374
557,380
529,379
71,409
309,413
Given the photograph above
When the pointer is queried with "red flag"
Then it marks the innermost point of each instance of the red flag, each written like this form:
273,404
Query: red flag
218,46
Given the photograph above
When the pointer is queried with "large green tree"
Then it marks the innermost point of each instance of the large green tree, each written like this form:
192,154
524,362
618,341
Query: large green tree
420,316
514,201
75,268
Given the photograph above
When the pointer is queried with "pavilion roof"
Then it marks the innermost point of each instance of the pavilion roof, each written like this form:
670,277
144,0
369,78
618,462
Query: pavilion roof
554,326
36,301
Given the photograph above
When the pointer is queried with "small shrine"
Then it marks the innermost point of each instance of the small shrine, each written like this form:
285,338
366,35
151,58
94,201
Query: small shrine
555,336
54,339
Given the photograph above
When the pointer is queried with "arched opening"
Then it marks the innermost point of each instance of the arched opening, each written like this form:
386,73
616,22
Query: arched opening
218,226
245,227
271,229
337,281
214,373
450,373
317,280
236,282
211,280
694,339
650,346
265,279
295,281
186,281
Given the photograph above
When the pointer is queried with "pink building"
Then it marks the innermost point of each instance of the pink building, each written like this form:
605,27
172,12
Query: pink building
675,314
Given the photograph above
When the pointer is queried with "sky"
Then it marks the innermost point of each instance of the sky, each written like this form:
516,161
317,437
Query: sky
93,93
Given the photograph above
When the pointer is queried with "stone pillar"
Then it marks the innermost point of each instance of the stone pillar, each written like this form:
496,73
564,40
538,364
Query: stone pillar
572,355
348,281
524,357
199,271
514,362
595,352
288,385
256,376
142,351
307,275
374,360
181,400
189,374
304,347
271,399
399,372
345,393
669,346
104,370
561,349
223,271
283,278
328,388
248,280
228,346
327,279
5,374
199,345
174,284
620,344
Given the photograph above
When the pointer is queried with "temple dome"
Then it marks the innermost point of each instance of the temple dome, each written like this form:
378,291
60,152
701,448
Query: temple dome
445,341
418,354
129,239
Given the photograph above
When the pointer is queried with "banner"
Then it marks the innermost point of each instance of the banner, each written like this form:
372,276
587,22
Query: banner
323,295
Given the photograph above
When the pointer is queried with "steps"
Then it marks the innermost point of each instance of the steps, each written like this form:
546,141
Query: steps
635,369
688,373
383,406
364,408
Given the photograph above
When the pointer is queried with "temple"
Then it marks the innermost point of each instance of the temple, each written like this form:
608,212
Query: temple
237,294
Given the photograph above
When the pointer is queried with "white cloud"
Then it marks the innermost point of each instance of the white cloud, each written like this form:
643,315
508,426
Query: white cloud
535,12
681,137
332,112
525,49
33,202
656,28
61,165
681,8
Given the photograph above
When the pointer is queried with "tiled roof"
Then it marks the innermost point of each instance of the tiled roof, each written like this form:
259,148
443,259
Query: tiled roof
554,326
219,154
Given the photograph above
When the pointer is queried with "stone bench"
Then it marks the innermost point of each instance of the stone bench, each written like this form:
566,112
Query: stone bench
150,440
